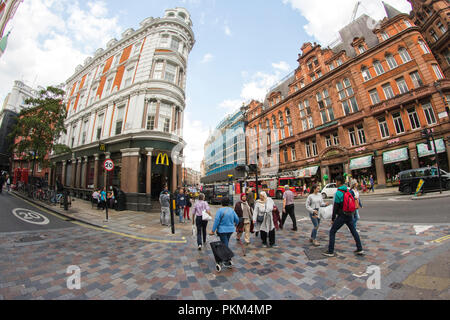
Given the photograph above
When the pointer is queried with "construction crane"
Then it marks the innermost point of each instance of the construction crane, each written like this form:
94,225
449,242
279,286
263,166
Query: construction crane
355,11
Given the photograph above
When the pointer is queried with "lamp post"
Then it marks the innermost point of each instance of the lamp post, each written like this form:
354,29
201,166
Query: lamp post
428,134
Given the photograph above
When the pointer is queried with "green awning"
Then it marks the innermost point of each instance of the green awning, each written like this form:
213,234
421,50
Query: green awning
422,148
361,163
396,155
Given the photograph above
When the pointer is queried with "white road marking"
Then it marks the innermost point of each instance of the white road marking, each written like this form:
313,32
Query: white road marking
421,228
30,216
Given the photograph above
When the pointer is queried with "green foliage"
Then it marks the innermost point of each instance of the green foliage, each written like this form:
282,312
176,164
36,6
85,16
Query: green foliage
39,125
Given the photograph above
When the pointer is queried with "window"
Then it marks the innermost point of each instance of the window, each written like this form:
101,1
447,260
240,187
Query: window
289,122
157,73
85,129
429,113
308,150
293,154
401,84
374,96
384,130
424,47
99,126
305,124
361,134
164,42
310,122
136,48
119,119
116,60
171,71
331,66
151,122
109,83
415,77
81,103
314,148
378,67
441,27
361,49
407,23
391,61
384,35
404,55
434,35
339,62
175,44
129,76
387,89
325,107
353,141
335,139
73,136
280,118
181,78
165,114
166,125
398,123
286,159
447,56
328,141
93,94
345,91
413,118
366,74
437,72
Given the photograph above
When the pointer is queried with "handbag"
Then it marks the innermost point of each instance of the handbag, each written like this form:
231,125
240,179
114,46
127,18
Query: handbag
206,216
260,218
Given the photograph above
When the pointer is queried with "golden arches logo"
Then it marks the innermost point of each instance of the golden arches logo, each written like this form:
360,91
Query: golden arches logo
162,159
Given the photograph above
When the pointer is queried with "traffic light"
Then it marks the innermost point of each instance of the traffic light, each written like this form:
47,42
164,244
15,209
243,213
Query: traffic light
427,135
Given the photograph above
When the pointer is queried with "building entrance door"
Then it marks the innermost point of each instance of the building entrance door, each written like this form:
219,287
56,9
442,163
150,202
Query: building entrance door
335,171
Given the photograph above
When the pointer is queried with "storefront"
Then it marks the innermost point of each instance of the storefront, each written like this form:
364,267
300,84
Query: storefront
394,162
309,176
428,157
362,168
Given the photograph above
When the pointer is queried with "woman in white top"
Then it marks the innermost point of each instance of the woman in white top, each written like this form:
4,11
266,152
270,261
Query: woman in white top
355,193
313,203
263,219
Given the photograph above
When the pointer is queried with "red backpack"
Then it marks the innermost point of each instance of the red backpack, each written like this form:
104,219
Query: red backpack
349,207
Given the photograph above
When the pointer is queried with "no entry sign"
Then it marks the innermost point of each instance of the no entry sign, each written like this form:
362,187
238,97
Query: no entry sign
108,165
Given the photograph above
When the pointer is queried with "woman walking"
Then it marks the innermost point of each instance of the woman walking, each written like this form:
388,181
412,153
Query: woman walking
225,222
263,219
355,194
245,213
188,205
313,203
201,206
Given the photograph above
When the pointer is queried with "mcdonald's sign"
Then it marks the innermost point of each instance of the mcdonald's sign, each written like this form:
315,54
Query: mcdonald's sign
162,159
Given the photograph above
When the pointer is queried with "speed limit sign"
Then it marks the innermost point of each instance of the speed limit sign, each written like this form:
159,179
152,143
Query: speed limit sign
108,165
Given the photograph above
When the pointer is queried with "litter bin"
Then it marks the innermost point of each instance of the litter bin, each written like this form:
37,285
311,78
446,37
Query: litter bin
121,201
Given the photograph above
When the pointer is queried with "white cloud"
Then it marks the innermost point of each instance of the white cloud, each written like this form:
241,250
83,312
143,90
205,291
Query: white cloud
207,58
195,134
50,38
326,17
227,29
231,105
282,65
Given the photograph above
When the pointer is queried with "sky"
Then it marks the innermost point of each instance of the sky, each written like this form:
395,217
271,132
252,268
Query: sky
242,49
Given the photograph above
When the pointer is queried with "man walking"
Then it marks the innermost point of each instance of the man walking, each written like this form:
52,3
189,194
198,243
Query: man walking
164,200
251,198
372,183
2,182
340,218
181,203
288,208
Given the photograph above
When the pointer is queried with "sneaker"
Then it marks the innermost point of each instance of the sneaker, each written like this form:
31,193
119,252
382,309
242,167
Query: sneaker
273,246
316,243
328,254
294,229
359,252
200,247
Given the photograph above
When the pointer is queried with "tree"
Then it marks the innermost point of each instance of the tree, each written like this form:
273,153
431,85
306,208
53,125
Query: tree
39,125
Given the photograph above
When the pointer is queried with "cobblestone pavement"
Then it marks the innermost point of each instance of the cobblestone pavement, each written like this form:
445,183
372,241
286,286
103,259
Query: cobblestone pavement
116,267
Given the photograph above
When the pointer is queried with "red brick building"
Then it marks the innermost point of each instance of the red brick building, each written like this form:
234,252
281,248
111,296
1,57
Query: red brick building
359,107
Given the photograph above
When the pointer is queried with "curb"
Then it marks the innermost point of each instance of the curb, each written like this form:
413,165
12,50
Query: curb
157,239
431,197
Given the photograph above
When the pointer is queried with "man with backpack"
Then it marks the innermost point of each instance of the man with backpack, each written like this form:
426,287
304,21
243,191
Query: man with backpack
343,212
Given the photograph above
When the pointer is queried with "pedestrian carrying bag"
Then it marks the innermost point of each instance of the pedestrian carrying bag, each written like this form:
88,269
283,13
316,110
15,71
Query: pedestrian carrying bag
349,207
205,216
260,218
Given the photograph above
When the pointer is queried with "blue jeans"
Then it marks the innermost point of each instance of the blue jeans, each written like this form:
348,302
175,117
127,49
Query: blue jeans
225,237
180,213
356,218
316,223
338,223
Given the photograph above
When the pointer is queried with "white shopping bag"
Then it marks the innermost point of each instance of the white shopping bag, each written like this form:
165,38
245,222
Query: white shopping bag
326,212
194,230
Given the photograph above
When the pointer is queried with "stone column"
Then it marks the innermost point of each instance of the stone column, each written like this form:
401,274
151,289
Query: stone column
414,156
74,173
130,170
84,173
379,167
180,171
63,178
105,176
97,157
148,188
174,173
325,171
78,177
50,173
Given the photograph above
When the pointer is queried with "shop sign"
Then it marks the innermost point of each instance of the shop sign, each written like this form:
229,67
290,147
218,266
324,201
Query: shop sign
331,153
360,149
422,148
361,163
443,115
393,141
311,160
395,155
308,172
162,159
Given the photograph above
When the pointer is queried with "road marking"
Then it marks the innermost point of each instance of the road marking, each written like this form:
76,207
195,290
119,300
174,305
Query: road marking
42,209
442,239
421,229
30,216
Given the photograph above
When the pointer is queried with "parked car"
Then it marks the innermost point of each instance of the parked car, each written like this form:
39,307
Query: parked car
409,180
329,190
215,193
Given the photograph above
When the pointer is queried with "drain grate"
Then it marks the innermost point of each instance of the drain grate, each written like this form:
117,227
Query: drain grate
31,239
396,285
315,254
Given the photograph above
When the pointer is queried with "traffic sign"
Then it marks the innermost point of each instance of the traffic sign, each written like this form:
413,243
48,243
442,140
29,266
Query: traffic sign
108,165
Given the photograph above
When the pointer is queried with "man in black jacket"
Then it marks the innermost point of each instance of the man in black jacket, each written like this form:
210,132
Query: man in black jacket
340,218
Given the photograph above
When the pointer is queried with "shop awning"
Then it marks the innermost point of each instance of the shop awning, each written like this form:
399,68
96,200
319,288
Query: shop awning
396,155
422,148
361,163
307,172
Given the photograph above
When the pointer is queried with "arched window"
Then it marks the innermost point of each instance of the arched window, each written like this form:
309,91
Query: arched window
366,73
404,55
378,67
289,122
424,47
391,61
280,117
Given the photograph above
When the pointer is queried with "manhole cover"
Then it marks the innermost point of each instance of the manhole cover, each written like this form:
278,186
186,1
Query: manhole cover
31,239
315,254
161,297
264,271
395,285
